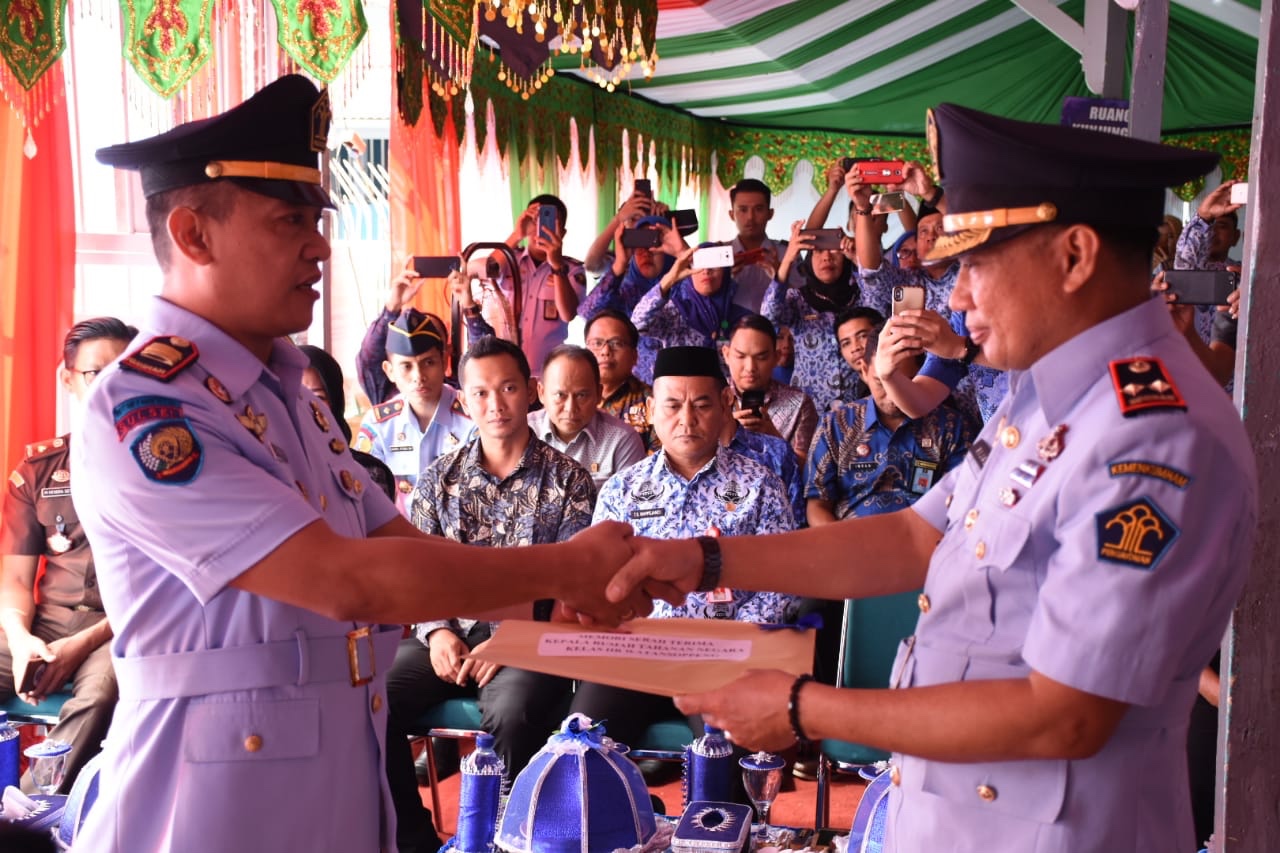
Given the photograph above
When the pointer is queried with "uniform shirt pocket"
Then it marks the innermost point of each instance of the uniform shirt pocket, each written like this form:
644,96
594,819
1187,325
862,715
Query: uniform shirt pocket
1027,790
251,731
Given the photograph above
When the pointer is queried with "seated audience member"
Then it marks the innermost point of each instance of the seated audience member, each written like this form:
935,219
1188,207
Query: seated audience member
324,379
551,285
503,488
53,621
690,487
786,411
688,308
571,422
633,272
869,457
879,277
828,286
425,418
637,206
786,356
756,256
373,348
774,454
614,340
953,366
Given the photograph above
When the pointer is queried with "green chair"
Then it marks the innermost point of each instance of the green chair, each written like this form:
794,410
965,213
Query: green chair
870,633
43,714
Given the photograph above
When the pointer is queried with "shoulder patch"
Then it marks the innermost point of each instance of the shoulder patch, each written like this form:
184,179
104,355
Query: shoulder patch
15,479
457,409
386,411
163,357
1143,468
140,410
363,441
169,452
1136,533
40,448
1143,385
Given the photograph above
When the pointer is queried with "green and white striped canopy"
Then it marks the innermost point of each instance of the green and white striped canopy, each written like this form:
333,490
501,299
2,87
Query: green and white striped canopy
874,66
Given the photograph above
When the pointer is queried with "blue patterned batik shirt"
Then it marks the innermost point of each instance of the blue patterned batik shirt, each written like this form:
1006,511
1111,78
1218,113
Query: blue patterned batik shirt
863,468
731,493
819,370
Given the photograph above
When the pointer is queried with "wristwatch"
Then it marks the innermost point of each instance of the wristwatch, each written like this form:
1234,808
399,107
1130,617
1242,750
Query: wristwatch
971,351
712,563
564,271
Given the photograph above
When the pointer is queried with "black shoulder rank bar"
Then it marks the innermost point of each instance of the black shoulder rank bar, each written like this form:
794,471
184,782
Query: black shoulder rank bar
1143,385
162,357
387,411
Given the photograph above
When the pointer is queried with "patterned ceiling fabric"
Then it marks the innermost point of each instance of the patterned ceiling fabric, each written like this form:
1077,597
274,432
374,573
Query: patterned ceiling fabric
873,66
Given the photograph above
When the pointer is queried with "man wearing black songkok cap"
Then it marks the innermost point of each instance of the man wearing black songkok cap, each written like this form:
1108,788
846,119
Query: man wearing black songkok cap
1079,567
246,559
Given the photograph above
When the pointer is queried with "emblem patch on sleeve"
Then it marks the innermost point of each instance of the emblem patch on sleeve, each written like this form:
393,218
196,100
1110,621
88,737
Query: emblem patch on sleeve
1143,385
169,452
1134,534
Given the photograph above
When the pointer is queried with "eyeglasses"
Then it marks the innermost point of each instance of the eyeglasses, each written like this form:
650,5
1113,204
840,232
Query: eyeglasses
903,254
613,344
89,375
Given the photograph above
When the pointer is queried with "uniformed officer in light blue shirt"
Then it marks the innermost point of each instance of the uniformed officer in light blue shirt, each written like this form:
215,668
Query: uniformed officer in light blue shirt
424,419
245,560
1079,567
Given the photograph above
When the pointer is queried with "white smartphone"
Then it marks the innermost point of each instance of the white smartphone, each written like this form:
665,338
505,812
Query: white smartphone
1240,193
713,257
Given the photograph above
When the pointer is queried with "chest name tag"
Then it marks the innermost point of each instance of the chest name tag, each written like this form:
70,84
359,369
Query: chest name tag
922,474
402,448
651,512
56,492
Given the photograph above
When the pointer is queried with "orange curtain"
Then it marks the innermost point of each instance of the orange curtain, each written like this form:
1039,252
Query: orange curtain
37,270
426,217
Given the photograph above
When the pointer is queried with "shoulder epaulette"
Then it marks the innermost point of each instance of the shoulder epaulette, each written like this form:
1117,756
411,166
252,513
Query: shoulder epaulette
1143,385
163,357
386,411
457,409
37,449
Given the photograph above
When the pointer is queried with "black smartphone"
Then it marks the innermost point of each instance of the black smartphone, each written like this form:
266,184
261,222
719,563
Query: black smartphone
847,163
31,677
1201,287
644,187
686,221
641,238
753,399
823,238
436,267
548,219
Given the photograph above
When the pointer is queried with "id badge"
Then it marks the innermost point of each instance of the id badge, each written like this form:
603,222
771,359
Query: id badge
549,311
922,476
720,595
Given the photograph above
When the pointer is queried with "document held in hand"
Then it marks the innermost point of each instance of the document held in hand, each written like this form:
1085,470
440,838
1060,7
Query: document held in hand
667,657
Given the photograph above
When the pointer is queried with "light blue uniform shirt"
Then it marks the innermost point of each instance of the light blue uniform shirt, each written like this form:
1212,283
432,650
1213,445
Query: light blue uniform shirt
732,493
1114,572
238,727
390,432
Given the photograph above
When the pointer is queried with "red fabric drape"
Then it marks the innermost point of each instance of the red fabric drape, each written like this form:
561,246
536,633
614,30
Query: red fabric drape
37,271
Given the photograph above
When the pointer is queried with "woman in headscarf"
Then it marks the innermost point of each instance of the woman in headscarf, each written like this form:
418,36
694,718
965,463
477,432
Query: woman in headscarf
830,286
689,307
634,271
324,379
902,254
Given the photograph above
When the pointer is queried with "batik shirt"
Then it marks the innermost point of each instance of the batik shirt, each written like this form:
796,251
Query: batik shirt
662,325
630,402
864,468
776,455
547,498
731,493
819,370
1192,253
792,413
878,285
621,293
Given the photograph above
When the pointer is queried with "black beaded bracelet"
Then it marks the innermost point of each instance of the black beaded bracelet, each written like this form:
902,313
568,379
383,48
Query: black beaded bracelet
793,707
712,564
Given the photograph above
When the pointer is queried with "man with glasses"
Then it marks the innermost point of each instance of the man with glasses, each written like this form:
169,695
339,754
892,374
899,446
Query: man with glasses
613,339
